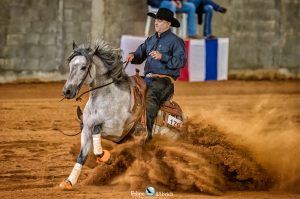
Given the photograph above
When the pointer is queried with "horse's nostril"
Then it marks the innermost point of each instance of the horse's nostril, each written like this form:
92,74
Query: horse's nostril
68,92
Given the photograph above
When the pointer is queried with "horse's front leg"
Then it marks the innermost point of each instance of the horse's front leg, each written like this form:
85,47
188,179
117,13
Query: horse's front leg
101,155
86,143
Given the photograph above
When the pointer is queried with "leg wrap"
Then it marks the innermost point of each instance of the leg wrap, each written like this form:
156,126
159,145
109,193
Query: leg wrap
97,144
75,173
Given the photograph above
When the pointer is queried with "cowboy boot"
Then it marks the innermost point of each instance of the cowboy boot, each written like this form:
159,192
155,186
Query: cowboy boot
222,10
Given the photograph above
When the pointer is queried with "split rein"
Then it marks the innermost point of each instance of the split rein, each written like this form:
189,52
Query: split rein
79,97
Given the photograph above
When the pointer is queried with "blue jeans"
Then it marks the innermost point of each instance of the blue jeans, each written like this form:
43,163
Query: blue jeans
188,8
209,6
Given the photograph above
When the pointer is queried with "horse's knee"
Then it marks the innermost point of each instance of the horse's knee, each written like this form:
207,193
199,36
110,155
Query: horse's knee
97,129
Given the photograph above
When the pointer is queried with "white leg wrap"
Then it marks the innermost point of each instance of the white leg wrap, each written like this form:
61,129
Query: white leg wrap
75,173
97,144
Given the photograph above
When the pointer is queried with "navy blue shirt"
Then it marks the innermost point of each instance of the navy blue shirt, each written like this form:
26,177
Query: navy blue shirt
173,54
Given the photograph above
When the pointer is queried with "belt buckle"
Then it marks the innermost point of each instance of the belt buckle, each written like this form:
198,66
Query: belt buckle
149,75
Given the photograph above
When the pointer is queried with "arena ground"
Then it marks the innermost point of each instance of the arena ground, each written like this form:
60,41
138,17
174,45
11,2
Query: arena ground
262,117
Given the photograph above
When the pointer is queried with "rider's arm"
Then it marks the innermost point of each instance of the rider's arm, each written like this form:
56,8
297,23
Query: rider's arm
140,54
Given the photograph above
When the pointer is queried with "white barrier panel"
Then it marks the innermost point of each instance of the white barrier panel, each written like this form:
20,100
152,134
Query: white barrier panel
196,66
223,53
207,59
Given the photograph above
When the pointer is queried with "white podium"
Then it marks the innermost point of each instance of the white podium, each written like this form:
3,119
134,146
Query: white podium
130,44
207,59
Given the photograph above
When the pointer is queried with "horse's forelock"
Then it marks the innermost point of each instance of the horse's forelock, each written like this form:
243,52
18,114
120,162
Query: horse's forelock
80,51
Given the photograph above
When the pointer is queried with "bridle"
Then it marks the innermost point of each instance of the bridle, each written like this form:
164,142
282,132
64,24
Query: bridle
85,76
98,87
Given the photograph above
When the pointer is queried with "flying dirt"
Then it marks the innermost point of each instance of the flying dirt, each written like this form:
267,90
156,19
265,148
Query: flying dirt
201,159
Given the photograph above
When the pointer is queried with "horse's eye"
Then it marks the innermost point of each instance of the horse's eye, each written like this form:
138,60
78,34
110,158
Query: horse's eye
83,67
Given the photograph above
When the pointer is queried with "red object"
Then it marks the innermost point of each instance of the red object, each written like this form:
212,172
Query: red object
184,72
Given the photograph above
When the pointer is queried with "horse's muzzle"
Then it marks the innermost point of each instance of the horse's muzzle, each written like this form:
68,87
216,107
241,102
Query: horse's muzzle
70,91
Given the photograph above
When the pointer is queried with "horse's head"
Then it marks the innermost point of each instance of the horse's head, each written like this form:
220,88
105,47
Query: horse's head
82,70
88,66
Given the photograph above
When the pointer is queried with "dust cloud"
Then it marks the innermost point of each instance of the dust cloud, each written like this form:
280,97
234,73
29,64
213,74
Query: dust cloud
254,148
202,159
271,135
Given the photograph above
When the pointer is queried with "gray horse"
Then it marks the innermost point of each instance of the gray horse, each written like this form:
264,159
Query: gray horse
107,109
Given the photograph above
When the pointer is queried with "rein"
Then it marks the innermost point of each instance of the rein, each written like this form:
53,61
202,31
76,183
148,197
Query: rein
79,97
68,134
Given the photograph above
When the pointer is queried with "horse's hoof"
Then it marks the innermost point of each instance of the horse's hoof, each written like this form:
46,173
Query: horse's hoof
105,157
109,162
66,185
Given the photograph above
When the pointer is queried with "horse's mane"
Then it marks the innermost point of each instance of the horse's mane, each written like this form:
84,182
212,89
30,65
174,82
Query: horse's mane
111,57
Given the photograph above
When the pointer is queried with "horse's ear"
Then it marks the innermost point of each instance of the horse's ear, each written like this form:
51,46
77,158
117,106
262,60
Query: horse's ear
74,45
93,52
96,50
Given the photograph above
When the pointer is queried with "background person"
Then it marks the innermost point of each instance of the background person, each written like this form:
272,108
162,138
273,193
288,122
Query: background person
207,7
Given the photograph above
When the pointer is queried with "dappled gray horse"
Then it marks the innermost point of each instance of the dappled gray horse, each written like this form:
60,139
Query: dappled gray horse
107,109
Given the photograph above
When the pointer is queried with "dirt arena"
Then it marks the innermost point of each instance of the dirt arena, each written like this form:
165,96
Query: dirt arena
242,140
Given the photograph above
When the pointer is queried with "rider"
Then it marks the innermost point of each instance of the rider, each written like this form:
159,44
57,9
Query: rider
165,55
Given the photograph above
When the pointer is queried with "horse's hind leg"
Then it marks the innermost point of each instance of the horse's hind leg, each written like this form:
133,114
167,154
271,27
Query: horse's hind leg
101,155
86,143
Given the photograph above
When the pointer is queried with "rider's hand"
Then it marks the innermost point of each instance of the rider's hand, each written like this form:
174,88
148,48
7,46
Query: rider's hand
130,57
155,55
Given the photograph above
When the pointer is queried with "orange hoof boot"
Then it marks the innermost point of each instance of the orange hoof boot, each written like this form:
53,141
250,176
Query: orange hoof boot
66,185
104,157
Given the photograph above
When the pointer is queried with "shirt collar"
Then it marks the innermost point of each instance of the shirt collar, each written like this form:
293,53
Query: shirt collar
163,34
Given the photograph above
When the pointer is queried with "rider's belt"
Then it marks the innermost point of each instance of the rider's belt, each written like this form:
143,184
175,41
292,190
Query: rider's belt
161,76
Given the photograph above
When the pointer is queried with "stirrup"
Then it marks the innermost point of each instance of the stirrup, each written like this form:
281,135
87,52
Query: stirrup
105,157
66,185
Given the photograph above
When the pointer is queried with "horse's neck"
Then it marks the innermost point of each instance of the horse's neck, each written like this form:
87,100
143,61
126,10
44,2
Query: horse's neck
100,80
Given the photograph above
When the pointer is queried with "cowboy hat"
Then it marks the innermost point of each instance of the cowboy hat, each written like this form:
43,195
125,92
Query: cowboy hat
165,14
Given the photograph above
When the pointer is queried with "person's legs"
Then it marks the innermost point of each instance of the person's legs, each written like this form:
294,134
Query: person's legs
169,5
159,90
208,10
190,9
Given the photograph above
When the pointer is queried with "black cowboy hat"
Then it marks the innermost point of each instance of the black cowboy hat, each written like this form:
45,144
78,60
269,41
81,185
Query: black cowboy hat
165,14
